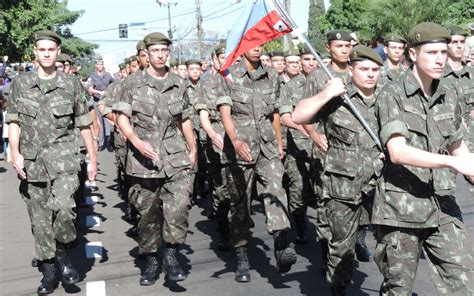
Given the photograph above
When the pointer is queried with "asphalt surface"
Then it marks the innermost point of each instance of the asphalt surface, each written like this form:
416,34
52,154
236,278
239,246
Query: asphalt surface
114,268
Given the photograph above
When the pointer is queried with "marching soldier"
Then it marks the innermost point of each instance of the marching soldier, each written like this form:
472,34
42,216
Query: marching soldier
154,117
247,108
44,111
415,207
298,157
352,162
393,65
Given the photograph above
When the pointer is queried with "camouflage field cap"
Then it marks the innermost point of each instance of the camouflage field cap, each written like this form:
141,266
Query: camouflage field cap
156,38
428,33
277,54
47,35
219,49
338,35
392,37
456,30
133,58
61,58
304,49
69,60
292,52
173,63
193,62
363,53
140,46
122,66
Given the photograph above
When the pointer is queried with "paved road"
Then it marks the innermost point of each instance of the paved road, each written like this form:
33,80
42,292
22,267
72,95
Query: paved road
114,268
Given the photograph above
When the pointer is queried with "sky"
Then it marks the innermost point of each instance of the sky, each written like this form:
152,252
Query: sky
101,18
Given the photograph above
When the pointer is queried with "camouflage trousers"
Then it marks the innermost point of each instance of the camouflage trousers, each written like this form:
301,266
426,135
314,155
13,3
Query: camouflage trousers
120,162
447,249
322,225
267,173
201,173
299,171
344,221
79,195
163,205
220,194
50,208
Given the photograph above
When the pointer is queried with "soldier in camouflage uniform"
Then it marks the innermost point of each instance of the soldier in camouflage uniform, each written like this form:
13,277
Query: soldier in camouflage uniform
352,162
339,47
415,207
462,79
194,74
247,105
45,110
299,147
217,163
154,117
393,66
142,55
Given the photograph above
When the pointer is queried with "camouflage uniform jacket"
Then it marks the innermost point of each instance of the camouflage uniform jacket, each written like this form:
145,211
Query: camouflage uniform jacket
463,82
193,93
252,97
154,108
315,83
291,93
352,158
48,118
409,196
109,99
209,91
387,75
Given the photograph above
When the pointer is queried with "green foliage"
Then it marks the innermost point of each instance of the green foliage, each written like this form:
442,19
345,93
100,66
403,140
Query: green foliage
19,19
372,19
274,45
316,12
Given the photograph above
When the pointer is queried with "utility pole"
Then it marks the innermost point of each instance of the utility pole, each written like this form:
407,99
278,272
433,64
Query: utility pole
168,4
199,28
286,38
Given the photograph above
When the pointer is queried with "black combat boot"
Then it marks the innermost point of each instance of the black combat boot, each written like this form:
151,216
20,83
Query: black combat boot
362,252
301,229
50,280
242,274
151,271
171,264
69,274
338,291
285,255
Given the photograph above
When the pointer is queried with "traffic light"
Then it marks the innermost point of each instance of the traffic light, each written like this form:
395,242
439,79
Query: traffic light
123,31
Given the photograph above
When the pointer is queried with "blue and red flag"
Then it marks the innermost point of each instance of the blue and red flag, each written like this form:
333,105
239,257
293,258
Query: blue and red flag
258,24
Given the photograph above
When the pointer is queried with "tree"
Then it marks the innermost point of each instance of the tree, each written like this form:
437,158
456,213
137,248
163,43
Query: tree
21,18
317,24
372,19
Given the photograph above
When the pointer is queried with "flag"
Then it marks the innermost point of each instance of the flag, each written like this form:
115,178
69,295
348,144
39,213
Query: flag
258,24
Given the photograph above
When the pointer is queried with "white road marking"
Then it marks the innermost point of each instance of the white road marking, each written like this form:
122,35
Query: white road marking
95,288
91,200
94,250
92,221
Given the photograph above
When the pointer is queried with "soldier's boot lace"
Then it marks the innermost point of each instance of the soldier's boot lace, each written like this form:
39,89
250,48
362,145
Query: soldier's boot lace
301,229
338,291
50,280
285,254
171,264
69,274
150,274
363,253
242,274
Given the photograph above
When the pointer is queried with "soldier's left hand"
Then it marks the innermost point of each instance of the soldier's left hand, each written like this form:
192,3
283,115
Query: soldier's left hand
19,164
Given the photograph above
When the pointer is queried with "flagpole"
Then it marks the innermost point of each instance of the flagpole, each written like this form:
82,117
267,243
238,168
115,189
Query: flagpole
302,38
